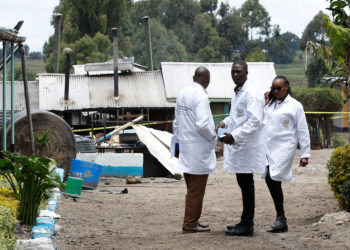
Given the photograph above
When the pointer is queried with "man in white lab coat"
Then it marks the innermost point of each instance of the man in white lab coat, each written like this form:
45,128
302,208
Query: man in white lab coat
244,152
194,129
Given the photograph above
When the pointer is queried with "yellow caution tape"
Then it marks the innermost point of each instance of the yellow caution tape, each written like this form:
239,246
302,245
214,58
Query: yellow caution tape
337,117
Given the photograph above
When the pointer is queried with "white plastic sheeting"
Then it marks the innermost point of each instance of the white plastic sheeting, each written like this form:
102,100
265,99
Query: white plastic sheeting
157,147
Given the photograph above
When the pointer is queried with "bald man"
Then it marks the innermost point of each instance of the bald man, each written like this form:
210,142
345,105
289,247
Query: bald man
194,129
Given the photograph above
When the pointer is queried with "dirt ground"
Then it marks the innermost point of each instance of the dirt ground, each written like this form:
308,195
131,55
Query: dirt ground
150,215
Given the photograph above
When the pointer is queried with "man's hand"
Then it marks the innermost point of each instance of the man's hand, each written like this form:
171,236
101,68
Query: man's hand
228,139
303,162
220,125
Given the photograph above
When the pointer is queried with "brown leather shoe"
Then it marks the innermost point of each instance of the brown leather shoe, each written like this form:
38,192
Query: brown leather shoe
196,229
203,224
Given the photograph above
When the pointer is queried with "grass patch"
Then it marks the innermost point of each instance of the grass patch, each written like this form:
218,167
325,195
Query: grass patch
295,71
36,66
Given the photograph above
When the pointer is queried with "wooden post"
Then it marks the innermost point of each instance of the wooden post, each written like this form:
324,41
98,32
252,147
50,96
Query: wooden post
26,94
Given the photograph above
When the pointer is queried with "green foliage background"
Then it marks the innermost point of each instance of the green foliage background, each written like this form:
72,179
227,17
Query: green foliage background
321,100
7,228
181,30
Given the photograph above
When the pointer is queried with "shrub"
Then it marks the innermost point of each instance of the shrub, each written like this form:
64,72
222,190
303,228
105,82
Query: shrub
339,176
338,140
30,178
8,199
7,228
320,100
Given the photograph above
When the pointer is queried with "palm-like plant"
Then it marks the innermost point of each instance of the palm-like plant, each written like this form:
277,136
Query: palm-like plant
31,178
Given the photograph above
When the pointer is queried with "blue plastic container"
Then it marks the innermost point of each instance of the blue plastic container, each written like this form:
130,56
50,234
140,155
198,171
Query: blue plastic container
88,171
122,171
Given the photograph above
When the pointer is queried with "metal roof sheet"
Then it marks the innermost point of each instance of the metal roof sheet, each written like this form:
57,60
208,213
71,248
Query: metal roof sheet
108,66
105,68
141,89
20,103
178,75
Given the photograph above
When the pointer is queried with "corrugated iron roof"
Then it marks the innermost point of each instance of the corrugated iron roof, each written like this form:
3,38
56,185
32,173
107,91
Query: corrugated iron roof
105,68
141,89
19,101
108,66
179,75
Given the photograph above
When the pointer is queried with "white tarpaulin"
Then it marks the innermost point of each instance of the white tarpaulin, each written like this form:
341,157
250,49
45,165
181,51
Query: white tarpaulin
163,136
157,146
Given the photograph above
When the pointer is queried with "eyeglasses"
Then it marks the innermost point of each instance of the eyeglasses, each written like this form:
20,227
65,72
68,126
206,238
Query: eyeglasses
278,88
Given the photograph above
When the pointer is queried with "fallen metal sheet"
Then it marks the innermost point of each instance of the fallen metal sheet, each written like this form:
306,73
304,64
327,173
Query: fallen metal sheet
157,148
163,136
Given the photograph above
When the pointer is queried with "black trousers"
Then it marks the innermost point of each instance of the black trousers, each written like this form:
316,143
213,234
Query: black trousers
246,183
276,192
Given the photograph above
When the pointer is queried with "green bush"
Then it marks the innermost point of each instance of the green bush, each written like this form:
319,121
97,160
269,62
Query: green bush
339,176
7,228
338,140
30,178
320,100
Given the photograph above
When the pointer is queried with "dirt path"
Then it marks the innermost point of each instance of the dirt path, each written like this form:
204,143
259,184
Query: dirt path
150,215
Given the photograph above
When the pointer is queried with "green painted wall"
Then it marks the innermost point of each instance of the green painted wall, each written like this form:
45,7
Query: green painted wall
218,110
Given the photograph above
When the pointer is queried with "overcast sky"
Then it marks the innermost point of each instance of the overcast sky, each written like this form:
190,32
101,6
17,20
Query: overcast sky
291,15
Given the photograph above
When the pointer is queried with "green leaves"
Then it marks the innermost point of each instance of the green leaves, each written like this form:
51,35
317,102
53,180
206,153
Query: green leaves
337,7
339,175
31,178
7,229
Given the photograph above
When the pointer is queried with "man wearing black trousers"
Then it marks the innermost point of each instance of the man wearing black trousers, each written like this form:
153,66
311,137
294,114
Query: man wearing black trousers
244,152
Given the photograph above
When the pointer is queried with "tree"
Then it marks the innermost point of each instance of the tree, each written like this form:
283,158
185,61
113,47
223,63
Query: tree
185,10
324,100
185,34
224,9
83,18
165,45
337,55
255,16
282,47
35,55
208,5
85,50
203,32
256,55
291,40
315,71
231,27
315,31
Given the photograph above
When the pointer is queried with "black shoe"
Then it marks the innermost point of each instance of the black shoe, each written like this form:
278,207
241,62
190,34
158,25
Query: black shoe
231,227
279,226
240,230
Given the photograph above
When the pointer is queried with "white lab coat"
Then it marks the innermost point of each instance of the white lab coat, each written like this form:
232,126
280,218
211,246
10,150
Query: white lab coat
194,129
284,126
247,154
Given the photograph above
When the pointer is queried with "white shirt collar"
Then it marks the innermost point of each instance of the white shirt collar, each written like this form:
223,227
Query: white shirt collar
196,83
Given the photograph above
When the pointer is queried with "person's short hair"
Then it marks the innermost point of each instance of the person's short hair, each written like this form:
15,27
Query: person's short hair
242,63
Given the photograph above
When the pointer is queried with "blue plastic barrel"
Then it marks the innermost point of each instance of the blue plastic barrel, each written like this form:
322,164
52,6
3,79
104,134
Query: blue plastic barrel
88,171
